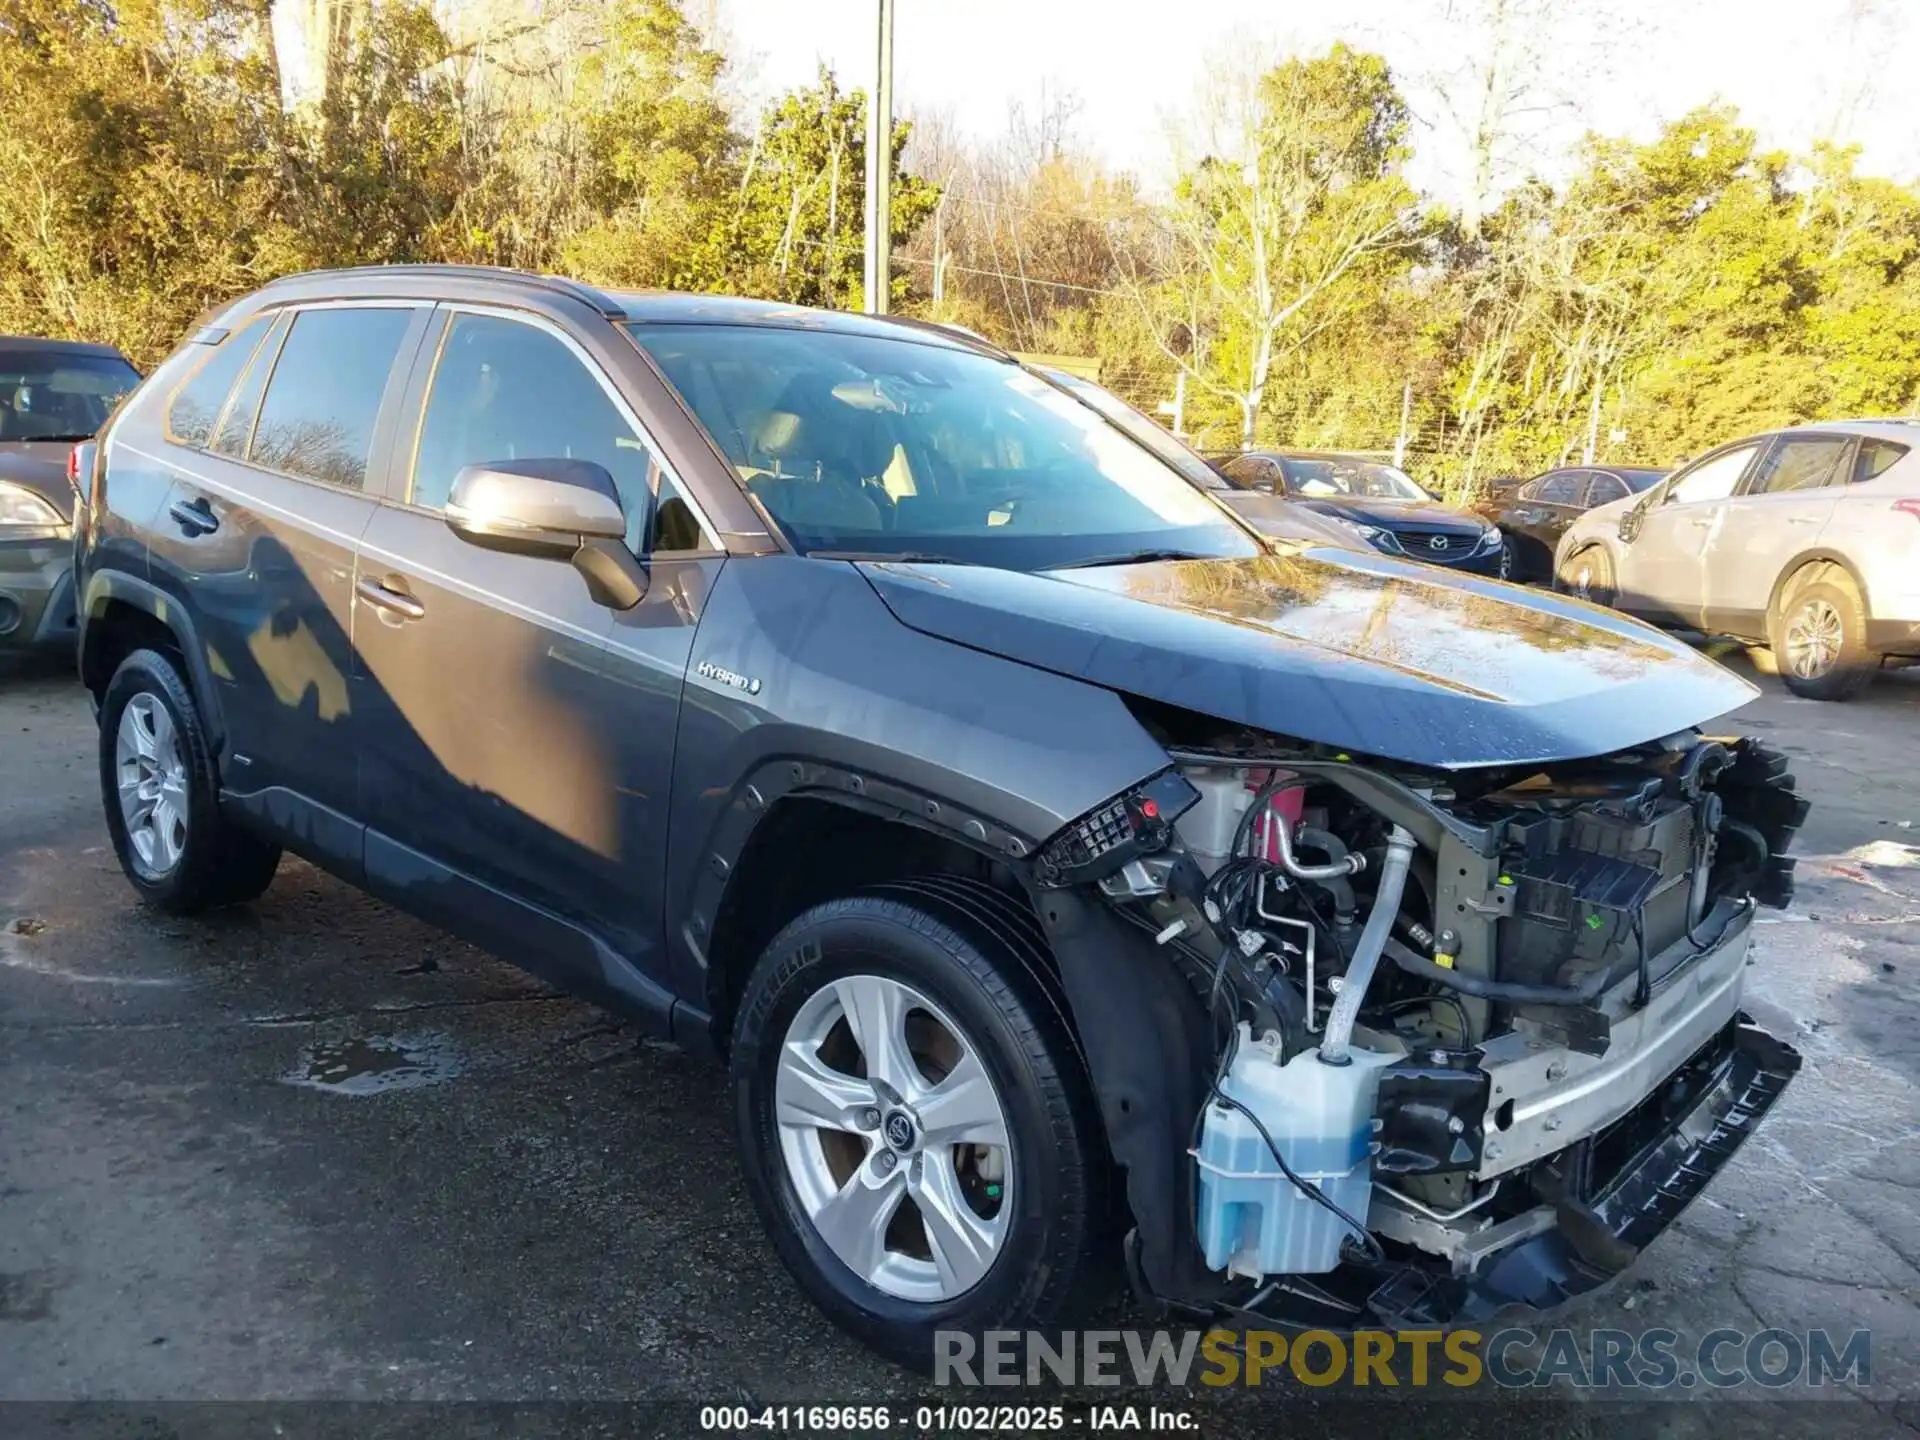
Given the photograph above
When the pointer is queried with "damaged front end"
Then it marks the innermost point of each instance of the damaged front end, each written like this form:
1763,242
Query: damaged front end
1386,1046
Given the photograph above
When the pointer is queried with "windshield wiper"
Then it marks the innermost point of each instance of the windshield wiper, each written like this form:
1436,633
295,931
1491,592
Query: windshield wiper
903,557
1133,557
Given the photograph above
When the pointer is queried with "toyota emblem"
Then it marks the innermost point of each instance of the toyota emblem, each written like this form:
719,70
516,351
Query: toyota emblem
899,1130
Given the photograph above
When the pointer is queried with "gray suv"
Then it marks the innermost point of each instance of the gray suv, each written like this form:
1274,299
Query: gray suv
1066,873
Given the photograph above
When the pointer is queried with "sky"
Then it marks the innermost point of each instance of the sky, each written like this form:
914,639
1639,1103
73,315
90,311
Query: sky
1798,70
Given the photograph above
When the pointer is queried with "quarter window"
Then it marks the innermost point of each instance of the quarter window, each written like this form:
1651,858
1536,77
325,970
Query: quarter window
236,427
1799,462
318,415
196,405
503,390
1876,457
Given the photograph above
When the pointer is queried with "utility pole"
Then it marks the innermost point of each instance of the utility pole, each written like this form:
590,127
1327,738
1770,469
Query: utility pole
1406,413
879,267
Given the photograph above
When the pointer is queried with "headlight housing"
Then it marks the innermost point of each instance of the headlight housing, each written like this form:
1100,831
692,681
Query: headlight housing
27,516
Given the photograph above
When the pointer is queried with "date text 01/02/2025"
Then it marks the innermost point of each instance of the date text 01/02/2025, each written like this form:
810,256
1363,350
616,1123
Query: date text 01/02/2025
1016,1419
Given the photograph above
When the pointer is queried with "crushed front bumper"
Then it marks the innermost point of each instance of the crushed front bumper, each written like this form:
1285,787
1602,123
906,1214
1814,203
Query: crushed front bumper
1635,1177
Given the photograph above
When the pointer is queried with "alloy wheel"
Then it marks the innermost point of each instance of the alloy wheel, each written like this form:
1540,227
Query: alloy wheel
1814,639
895,1138
1506,560
152,781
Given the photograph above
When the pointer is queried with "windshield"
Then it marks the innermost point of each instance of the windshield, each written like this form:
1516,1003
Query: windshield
896,447
57,394
1317,478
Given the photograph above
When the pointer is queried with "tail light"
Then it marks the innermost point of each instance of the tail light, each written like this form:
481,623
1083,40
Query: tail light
1908,507
73,469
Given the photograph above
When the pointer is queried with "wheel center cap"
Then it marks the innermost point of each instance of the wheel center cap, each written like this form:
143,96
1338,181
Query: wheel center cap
899,1131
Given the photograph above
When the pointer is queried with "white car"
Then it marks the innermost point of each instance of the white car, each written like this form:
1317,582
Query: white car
1805,540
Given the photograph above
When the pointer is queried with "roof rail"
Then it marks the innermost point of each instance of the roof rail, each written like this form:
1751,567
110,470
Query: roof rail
599,300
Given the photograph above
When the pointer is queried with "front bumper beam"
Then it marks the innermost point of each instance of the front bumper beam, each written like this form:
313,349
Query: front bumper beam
1645,1169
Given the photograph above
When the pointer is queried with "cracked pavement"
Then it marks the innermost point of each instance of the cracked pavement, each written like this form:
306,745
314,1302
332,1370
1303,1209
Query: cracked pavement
312,1148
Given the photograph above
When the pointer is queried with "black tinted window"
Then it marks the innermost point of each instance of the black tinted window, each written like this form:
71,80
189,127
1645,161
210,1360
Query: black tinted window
1562,489
1876,457
507,391
317,418
1799,462
1606,489
196,404
59,394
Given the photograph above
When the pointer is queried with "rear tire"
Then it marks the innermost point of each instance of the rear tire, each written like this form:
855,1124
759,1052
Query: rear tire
1511,569
1818,632
162,796
1037,1228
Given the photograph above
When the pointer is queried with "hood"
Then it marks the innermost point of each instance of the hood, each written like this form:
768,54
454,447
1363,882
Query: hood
1348,648
41,467
1397,514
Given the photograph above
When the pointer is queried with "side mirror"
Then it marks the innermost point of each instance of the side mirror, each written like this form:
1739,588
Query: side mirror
1630,522
556,508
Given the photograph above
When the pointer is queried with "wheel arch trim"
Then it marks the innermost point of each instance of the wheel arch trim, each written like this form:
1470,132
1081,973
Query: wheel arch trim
1818,555
104,588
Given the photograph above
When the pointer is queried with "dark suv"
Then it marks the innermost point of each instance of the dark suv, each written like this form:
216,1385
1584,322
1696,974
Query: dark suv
1060,867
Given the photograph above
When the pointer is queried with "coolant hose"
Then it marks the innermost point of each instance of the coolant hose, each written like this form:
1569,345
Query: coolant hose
1373,939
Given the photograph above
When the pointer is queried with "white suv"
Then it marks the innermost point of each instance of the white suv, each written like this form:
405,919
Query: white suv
1805,540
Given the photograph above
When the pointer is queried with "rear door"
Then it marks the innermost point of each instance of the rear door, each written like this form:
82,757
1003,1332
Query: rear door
1541,511
516,766
1660,564
258,539
1782,508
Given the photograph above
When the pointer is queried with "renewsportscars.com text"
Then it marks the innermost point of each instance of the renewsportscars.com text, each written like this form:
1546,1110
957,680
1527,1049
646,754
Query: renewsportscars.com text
1652,1359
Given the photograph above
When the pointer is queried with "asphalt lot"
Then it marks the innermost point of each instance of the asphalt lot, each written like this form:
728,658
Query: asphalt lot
311,1148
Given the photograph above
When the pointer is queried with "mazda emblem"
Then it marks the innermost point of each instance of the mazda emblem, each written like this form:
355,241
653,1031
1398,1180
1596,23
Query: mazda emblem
1438,542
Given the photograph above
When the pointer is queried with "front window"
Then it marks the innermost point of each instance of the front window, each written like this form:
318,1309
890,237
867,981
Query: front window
58,394
889,447
1332,477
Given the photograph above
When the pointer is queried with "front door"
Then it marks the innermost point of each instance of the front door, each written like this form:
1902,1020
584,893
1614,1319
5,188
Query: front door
258,536
1661,564
516,769
1781,510
1540,515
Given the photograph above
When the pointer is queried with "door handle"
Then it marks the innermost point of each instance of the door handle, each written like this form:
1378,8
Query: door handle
1800,519
395,602
194,517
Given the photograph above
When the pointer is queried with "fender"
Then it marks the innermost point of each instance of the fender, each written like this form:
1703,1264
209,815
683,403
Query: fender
1817,555
802,680
104,587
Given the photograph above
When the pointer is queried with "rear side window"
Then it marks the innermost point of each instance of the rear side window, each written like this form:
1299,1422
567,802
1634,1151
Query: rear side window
1876,457
1605,490
1799,462
197,404
1561,489
317,418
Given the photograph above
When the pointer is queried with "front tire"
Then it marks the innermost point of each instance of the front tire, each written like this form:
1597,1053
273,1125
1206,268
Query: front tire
1588,575
1818,632
915,1127
162,796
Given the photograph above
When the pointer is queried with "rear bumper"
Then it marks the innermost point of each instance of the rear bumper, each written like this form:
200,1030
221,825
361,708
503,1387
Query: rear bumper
36,594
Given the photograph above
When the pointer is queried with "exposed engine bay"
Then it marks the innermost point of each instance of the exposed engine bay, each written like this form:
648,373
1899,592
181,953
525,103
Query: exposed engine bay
1475,1035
